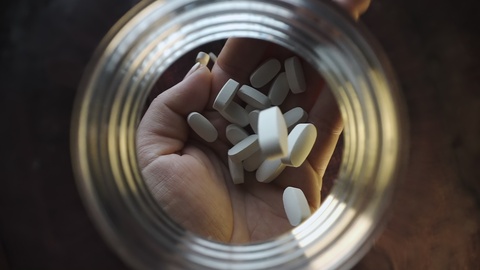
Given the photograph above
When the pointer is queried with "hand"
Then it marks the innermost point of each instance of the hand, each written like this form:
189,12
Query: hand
190,178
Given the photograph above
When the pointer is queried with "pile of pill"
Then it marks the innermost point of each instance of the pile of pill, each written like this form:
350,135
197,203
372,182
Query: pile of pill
277,140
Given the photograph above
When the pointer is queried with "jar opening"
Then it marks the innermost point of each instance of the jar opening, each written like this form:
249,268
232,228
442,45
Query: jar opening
144,45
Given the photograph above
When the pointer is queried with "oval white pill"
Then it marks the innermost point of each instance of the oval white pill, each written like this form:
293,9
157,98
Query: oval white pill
296,205
279,90
236,171
265,73
244,149
202,126
295,116
254,161
272,133
253,119
295,75
235,134
226,95
235,114
203,58
269,170
249,108
253,97
300,143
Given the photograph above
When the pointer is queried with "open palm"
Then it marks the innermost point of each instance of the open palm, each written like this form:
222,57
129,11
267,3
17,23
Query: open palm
190,178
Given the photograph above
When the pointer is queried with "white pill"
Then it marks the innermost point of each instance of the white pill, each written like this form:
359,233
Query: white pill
244,149
253,120
272,133
265,73
203,58
202,127
269,170
249,108
296,205
235,114
279,90
236,171
295,75
253,97
226,95
300,143
295,116
252,163
235,134
213,57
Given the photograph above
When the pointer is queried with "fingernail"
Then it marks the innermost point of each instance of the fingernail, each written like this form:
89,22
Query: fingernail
193,69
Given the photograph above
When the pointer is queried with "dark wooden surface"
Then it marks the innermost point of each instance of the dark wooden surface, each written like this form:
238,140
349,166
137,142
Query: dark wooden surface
433,46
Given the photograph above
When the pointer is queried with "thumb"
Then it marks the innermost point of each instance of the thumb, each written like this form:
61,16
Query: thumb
164,129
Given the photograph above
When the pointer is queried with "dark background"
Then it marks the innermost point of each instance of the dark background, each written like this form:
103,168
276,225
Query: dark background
434,47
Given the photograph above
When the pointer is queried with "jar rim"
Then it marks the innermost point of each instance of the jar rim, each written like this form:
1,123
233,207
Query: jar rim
154,35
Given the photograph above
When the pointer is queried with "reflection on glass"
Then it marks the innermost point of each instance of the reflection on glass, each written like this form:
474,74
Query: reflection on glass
192,178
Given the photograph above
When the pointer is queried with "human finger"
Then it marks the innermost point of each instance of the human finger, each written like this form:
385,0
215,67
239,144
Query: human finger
237,60
354,7
326,117
163,129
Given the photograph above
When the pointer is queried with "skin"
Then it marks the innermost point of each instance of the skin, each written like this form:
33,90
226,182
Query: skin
190,178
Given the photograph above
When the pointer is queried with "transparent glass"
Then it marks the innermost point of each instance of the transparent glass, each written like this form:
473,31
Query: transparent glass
154,35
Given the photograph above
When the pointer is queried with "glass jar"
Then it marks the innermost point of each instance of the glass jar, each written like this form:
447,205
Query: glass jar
152,36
